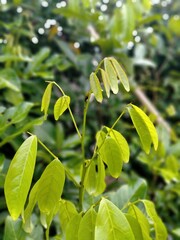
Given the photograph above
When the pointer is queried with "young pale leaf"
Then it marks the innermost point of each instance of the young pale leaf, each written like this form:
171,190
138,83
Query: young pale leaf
87,225
105,82
120,74
160,230
144,128
60,106
122,144
96,87
112,76
46,98
73,227
111,223
142,220
110,154
90,179
51,186
67,211
13,229
19,176
100,180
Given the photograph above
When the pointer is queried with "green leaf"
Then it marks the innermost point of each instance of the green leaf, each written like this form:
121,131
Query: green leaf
136,213
144,128
60,106
73,227
95,178
87,225
51,186
105,82
67,211
122,144
19,176
21,111
112,76
110,154
96,87
160,230
46,98
120,74
135,227
31,203
111,223
13,229
9,79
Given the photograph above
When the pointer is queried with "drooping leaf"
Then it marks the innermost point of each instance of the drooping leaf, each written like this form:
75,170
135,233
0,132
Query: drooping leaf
13,229
159,227
144,128
72,228
105,82
19,176
87,225
46,98
110,154
96,87
67,211
121,74
60,106
51,186
90,179
142,220
122,144
109,69
111,223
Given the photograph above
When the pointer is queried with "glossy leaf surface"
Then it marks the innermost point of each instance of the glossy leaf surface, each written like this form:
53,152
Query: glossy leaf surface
19,176
60,106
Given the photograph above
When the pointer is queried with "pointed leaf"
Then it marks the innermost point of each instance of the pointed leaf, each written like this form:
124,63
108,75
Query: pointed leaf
135,227
111,223
160,230
46,98
122,144
105,82
19,176
73,227
87,225
121,74
60,106
109,69
144,128
67,211
51,186
110,154
96,87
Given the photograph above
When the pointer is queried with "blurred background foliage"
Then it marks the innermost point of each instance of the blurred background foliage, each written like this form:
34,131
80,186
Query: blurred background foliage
42,40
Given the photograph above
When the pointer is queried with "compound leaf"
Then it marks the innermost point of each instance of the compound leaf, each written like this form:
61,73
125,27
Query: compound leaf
96,87
46,98
109,69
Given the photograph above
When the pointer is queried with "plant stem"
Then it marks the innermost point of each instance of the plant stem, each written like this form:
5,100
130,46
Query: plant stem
84,169
71,114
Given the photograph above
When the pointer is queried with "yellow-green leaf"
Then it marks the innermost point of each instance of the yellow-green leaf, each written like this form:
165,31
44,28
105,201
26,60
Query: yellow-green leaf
144,128
105,82
109,69
46,98
60,106
96,87
111,223
73,227
122,144
19,176
50,186
121,74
